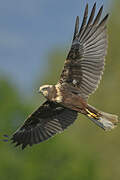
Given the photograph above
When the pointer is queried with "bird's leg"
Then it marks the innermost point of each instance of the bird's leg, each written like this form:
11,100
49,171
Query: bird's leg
91,114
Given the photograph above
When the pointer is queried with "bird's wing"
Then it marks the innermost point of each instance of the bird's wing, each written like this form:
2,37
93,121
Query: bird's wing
85,62
44,123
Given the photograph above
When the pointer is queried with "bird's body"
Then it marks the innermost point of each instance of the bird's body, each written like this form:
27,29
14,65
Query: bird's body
80,77
64,95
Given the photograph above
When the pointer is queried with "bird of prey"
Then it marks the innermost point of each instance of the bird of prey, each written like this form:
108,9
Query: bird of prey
80,77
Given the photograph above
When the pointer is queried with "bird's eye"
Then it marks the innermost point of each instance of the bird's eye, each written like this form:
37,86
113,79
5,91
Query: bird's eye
45,89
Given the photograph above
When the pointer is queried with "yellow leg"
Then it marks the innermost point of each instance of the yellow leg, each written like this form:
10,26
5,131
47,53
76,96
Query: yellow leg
90,114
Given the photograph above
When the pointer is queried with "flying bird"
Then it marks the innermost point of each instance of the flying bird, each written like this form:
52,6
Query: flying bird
80,77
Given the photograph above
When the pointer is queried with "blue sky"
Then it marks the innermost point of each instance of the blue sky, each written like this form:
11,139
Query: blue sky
29,29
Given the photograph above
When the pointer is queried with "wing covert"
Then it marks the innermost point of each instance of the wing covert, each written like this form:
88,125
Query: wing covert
45,122
84,64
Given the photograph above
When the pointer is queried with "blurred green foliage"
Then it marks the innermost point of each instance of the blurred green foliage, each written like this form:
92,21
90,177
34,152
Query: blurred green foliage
84,151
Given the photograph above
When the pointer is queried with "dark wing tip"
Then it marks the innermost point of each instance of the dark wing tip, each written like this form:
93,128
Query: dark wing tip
20,138
76,27
96,20
94,7
86,8
92,14
104,20
33,136
16,139
98,16
101,7
84,19
94,4
100,10
77,23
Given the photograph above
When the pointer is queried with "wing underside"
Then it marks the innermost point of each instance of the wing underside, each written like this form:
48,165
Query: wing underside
84,65
44,123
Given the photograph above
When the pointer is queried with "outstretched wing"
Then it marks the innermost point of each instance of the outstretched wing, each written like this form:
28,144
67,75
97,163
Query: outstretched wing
42,124
85,62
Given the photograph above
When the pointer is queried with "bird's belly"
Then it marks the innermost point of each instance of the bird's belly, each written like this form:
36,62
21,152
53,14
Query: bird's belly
68,99
74,102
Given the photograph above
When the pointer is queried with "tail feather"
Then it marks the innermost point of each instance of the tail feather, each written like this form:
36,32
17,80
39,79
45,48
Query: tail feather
104,120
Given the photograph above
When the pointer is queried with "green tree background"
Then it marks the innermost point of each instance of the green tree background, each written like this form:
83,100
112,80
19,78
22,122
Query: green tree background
84,151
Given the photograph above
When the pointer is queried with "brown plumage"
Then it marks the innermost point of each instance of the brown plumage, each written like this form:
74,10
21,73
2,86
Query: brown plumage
80,77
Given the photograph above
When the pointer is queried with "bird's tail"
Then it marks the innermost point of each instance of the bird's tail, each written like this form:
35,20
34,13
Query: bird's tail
104,120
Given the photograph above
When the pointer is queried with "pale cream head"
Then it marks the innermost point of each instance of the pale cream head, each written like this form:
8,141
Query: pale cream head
45,90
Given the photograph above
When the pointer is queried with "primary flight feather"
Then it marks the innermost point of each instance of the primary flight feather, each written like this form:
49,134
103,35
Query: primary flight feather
80,77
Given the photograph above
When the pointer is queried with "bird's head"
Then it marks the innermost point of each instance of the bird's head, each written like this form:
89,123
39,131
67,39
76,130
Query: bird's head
46,90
